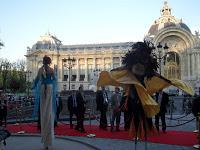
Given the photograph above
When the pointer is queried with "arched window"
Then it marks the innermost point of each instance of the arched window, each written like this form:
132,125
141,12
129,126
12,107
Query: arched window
172,65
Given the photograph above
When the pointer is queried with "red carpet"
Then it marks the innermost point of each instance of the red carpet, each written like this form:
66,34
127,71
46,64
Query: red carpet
171,137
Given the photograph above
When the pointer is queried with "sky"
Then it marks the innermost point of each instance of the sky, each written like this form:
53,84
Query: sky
22,22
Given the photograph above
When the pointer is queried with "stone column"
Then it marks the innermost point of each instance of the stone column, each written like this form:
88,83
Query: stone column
120,59
103,67
193,65
94,63
198,66
188,66
112,62
86,70
77,70
59,68
35,67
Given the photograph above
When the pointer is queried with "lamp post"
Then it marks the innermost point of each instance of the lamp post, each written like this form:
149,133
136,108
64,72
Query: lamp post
69,63
160,57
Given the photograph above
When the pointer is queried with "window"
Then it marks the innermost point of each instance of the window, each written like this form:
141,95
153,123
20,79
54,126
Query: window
73,86
82,77
73,78
82,69
65,77
115,65
116,62
172,65
107,66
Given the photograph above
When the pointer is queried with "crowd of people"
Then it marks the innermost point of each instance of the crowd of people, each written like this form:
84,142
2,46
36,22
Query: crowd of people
116,104
139,78
46,104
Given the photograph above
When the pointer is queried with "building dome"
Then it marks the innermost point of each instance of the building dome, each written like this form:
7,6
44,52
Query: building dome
166,21
47,42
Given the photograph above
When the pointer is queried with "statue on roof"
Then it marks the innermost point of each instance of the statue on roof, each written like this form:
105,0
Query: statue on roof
197,34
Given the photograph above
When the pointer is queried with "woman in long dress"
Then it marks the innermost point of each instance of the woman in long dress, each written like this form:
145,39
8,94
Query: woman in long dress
45,100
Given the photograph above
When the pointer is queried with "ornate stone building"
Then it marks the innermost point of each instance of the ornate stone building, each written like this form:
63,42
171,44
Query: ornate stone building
89,60
181,60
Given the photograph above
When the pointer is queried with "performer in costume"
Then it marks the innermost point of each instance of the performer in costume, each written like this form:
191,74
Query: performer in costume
140,79
45,94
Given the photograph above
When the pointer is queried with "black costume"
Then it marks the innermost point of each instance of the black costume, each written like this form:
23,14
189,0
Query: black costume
3,112
81,111
164,99
72,107
59,107
102,106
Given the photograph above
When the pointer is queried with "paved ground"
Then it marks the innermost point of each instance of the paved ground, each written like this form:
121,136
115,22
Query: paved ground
33,143
84,143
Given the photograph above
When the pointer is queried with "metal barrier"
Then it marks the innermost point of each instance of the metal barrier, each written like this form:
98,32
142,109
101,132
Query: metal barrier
197,146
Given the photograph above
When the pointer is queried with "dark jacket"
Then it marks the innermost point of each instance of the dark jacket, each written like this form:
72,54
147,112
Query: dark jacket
101,106
70,103
80,102
60,105
164,102
196,106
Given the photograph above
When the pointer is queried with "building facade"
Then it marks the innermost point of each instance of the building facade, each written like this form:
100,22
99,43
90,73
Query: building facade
88,60
180,60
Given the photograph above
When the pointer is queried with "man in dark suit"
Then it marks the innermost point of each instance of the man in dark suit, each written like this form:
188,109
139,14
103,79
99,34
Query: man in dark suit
81,109
102,106
72,107
162,99
59,107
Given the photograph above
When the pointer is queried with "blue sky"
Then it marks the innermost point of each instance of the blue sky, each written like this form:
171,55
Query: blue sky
84,21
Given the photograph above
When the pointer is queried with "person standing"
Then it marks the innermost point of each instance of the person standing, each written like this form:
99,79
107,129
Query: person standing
81,109
59,107
72,107
162,99
115,107
127,113
44,87
3,109
102,106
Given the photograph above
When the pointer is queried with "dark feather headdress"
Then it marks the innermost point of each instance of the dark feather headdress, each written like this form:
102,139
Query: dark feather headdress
142,53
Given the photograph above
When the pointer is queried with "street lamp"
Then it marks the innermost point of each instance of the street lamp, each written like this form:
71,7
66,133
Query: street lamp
69,63
160,50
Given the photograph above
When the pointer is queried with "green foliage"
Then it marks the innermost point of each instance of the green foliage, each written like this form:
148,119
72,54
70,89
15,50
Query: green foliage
13,76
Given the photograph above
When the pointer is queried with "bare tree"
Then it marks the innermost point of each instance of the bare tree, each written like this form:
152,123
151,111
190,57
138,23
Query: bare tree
1,44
